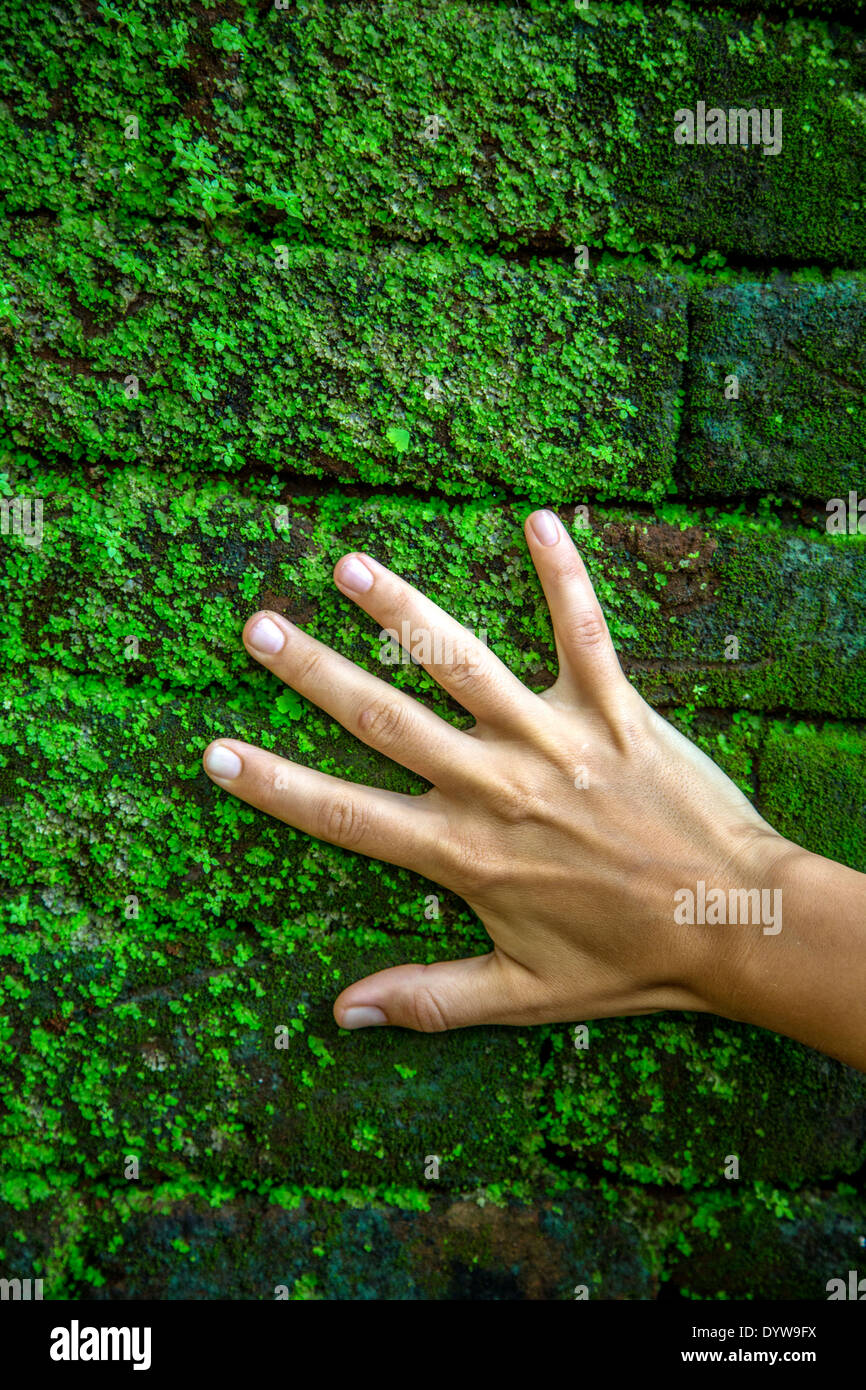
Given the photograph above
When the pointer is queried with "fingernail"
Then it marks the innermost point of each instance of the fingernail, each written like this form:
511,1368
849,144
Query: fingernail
222,762
351,574
266,637
363,1016
546,527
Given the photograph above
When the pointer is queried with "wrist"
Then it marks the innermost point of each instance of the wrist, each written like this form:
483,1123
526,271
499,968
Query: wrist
806,980
740,922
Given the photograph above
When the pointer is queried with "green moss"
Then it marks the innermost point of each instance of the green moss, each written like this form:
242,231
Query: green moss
798,420
224,1089
337,262
814,785
638,65
153,341
755,1242
318,118
526,125
669,1102
677,587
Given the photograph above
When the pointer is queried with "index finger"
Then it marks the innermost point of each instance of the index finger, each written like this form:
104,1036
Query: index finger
460,662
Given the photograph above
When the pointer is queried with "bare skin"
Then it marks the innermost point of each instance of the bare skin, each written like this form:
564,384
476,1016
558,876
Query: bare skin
568,821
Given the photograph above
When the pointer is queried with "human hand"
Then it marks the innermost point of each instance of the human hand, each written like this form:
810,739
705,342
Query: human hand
567,820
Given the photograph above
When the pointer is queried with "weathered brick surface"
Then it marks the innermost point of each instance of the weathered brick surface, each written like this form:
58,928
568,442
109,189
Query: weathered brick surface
677,586
751,1243
470,123
447,371
796,423
353,326
679,1100
638,66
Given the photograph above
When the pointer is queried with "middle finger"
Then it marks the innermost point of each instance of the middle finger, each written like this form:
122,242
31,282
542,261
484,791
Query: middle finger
380,715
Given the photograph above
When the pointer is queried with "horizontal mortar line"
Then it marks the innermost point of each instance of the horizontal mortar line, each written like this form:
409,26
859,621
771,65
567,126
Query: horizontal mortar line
454,942
171,987
682,666
669,1193
767,267
779,714
302,488
505,250
846,15
820,1189
217,691
595,1169
704,9
295,236
314,490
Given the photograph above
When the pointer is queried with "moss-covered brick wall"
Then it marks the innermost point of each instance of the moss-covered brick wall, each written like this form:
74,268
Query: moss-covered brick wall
401,366
277,284
637,65
525,124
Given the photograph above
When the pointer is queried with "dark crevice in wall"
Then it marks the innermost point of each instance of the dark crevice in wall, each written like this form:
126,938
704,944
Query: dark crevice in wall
843,16
216,691
542,246
664,665
669,1292
791,511
774,268
564,1163
774,714
858,1180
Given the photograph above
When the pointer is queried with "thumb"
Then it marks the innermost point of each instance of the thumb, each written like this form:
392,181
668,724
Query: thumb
433,998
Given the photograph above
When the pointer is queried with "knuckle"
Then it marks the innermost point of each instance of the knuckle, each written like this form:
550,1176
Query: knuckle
569,567
469,867
587,629
463,670
383,722
343,822
427,1011
516,804
307,665
628,740
629,725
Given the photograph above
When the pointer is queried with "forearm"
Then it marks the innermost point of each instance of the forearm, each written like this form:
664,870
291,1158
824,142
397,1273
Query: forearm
808,981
